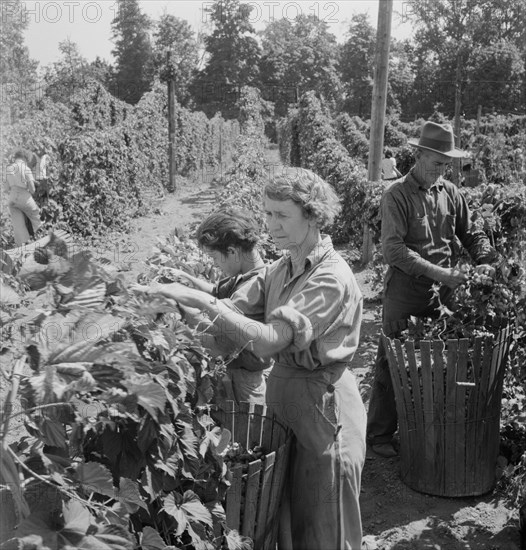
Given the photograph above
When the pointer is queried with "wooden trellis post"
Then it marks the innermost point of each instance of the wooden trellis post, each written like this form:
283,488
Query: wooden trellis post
171,125
379,101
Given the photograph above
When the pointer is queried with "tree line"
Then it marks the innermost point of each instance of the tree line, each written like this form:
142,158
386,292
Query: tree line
478,45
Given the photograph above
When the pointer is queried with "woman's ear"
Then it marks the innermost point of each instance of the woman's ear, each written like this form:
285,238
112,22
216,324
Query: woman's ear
231,250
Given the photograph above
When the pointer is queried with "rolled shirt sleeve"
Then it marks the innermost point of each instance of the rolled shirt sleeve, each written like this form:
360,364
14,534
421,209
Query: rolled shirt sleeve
313,311
321,306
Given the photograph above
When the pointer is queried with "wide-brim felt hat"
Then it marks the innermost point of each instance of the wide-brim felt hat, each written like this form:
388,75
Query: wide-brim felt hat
438,138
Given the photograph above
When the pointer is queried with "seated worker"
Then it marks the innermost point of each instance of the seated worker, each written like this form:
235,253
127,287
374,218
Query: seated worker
230,237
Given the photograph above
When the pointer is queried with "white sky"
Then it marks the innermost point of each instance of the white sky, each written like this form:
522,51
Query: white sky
88,23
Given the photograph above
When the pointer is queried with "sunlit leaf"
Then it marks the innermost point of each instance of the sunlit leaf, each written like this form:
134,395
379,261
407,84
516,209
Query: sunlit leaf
211,438
76,516
151,540
8,296
150,395
172,508
128,492
235,541
195,510
95,477
53,433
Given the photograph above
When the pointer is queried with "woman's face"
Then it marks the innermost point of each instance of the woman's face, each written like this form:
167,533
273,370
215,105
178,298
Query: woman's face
287,223
227,262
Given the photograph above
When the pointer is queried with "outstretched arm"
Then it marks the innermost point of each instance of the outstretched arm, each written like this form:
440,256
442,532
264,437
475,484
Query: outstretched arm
199,284
262,339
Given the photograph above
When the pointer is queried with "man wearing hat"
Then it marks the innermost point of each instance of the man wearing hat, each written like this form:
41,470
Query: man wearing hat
422,214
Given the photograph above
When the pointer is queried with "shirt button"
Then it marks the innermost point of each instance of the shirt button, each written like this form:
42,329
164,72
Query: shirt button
330,388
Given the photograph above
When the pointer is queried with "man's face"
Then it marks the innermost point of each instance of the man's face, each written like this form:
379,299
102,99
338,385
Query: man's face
432,165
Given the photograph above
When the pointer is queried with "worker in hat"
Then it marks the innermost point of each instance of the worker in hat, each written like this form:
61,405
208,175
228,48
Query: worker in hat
422,214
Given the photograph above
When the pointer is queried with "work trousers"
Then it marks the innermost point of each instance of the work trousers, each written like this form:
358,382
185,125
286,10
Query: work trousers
21,204
242,385
324,410
404,296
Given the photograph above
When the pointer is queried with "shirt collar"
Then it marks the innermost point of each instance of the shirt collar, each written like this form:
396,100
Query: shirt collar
415,186
249,274
314,257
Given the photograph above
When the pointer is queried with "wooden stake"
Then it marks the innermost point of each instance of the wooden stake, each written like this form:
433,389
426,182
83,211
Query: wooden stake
379,102
479,116
171,128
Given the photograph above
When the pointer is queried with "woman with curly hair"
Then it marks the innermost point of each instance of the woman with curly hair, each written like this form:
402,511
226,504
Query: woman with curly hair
312,310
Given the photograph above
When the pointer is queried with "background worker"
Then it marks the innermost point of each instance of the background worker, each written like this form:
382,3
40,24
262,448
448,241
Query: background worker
20,187
388,165
422,216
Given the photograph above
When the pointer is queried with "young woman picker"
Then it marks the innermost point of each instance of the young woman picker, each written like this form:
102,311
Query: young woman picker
230,237
311,311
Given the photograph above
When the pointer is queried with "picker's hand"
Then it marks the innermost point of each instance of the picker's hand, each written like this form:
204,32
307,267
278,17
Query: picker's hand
486,270
151,289
181,275
182,294
451,277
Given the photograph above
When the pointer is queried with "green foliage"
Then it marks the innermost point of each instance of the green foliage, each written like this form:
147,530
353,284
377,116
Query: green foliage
109,160
133,51
300,54
19,77
93,108
121,448
233,58
356,65
405,159
478,44
495,147
72,73
351,137
242,186
313,139
174,37
496,78
393,134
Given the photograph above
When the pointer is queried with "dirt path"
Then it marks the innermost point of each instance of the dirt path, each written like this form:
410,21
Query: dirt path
177,211
394,516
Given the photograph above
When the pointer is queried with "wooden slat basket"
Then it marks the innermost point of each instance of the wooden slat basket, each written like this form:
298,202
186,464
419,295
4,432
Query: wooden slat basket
254,497
448,398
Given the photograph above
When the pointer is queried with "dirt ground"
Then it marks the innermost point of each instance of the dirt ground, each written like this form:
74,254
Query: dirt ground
394,516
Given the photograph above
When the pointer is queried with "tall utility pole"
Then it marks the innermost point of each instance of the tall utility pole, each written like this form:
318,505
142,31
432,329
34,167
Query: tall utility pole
376,141
171,124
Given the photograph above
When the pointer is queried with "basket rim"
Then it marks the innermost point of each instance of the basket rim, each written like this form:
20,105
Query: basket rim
492,336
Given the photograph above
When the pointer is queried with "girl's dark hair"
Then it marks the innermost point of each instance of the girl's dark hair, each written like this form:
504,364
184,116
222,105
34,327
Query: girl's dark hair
388,153
228,227
20,154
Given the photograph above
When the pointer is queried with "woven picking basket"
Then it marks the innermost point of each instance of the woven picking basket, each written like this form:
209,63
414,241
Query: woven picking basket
254,497
448,399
